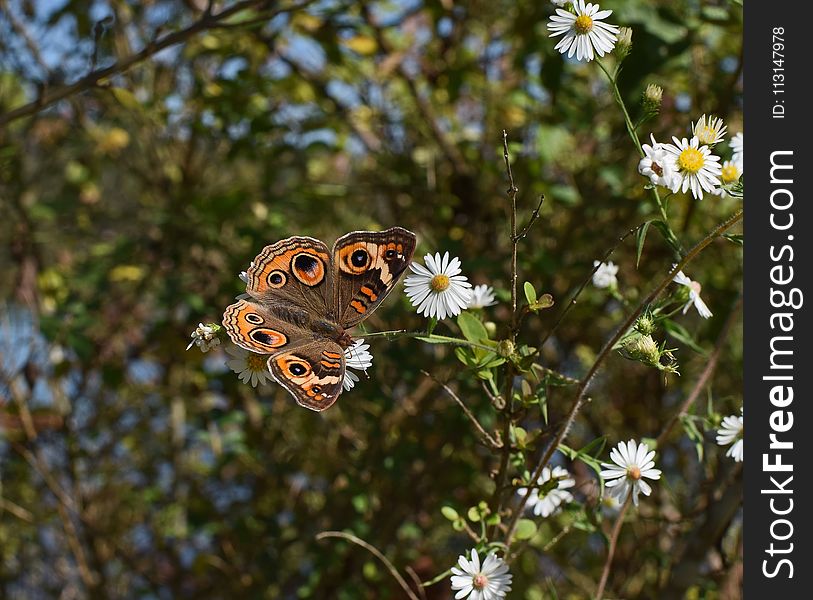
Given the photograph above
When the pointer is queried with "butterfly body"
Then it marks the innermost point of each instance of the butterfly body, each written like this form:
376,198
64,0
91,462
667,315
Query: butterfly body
303,299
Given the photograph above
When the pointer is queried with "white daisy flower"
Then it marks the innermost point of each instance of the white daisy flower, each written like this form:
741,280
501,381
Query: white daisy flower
438,290
489,582
252,368
695,166
736,146
584,33
205,336
633,463
709,130
731,172
551,492
356,356
657,164
694,294
731,430
482,296
604,276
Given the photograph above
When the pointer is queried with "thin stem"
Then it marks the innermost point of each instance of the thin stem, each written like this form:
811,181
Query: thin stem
375,552
605,352
512,194
483,433
430,337
611,549
634,137
711,365
587,280
531,221
437,578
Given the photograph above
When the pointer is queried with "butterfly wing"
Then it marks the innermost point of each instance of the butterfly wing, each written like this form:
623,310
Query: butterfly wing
366,266
312,373
256,328
294,272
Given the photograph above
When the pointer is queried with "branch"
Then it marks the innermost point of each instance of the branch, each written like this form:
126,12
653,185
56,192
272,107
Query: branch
605,574
54,95
711,365
605,352
375,552
483,433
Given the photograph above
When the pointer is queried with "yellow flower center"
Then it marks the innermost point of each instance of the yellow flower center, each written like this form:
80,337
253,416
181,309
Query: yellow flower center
439,283
730,173
634,473
480,581
690,160
257,362
583,24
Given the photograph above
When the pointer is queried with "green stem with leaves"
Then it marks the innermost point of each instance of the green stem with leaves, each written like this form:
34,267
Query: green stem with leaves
613,79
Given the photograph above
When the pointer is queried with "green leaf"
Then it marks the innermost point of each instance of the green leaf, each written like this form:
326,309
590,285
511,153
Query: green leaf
681,334
546,301
640,238
125,98
471,327
473,514
449,513
526,529
530,293
734,237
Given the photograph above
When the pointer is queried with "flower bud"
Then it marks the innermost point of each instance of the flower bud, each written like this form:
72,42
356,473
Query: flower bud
624,43
505,348
651,99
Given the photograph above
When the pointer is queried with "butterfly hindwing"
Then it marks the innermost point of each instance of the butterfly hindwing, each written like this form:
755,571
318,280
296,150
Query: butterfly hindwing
254,327
312,372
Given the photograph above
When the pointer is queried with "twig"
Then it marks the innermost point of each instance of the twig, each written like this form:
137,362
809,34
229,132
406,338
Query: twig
425,108
375,552
512,194
416,580
711,365
54,95
611,549
483,433
531,221
605,352
572,301
20,29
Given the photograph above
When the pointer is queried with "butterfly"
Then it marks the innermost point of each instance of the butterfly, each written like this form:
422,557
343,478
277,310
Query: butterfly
301,299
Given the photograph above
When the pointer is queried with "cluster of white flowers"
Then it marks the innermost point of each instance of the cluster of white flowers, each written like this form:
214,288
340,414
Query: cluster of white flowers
205,337
438,290
689,163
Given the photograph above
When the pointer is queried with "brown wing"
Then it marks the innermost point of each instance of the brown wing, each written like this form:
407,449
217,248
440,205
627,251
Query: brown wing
367,265
256,328
294,272
313,373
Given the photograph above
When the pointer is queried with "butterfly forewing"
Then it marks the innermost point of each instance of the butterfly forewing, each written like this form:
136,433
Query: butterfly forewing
367,265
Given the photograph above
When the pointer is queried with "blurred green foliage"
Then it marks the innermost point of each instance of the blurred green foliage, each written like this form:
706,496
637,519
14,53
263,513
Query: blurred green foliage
130,208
